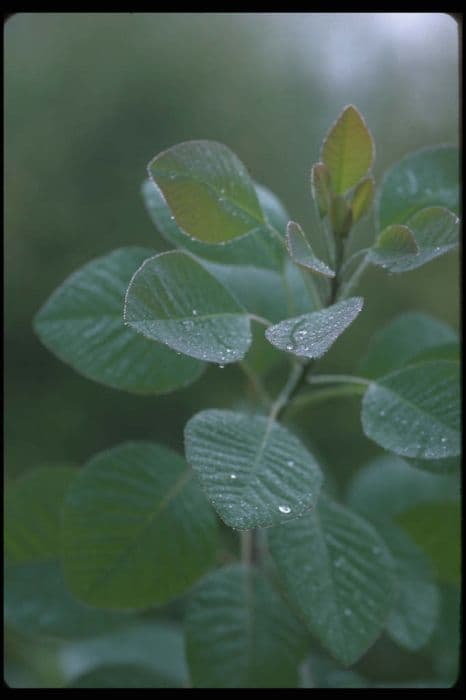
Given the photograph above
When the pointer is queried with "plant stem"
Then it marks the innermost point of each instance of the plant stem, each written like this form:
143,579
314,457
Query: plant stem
354,279
256,384
247,547
295,376
338,379
316,397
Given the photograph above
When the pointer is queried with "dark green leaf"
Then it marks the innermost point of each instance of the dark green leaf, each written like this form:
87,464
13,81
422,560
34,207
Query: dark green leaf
348,150
208,190
436,528
122,515
426,178
414,412
259,248
33,514
124,676
173,299
445,351
301,252
38,603
254,471
339,573
401,340
312,334
240,634
82,324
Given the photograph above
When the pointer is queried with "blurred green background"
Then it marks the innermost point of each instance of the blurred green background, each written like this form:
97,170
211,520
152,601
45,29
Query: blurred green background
91,98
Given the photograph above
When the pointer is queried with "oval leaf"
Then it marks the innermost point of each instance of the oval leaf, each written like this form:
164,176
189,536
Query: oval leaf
393,245
401,340
426,178
321,187
341,216
339,573
362,198
239,633
122,514
173,299
348,150
208,190
311,335
301,252
414,412
259,248
82,324
254,472
33,514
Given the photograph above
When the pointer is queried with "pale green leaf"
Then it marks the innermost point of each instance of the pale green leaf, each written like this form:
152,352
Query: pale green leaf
174,300
426,178
312,334
153,645
338,572
253,470
415,412
38,603
208,190
122,515
33,514
239,633
301,252
82,324
401,341
436,528
392,247
362,198
321,187
348,150
260,248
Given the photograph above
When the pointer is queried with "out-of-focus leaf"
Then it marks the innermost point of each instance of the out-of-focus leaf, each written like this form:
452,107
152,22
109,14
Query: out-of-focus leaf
254,471
312,334
348,150
174,300
340,575
82,324
426,178
124,676
401,341
123,514
415,412
240,634
208,190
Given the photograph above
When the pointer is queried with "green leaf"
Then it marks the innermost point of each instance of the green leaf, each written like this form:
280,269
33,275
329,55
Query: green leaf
124,676
312,334
33,514
436,528
401,341
414,412
208,190
436,231
82,324
122,514
38,603
388,485
301,252
339,574
448,465
153,645
326,673
414,616
321,187
341,216
254,472
348,150
259,248
173,299
392,247
362,198
445,351
239,633
426,178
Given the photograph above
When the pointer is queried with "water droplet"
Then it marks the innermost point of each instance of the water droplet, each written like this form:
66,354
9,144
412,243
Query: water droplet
194,312
290,463
444,439
221,366
382,413
172,218
284,509
289,347
229,351
347,612
233,476
339,562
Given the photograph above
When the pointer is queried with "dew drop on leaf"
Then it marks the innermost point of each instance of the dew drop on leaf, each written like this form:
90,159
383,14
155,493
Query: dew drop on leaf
284,509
